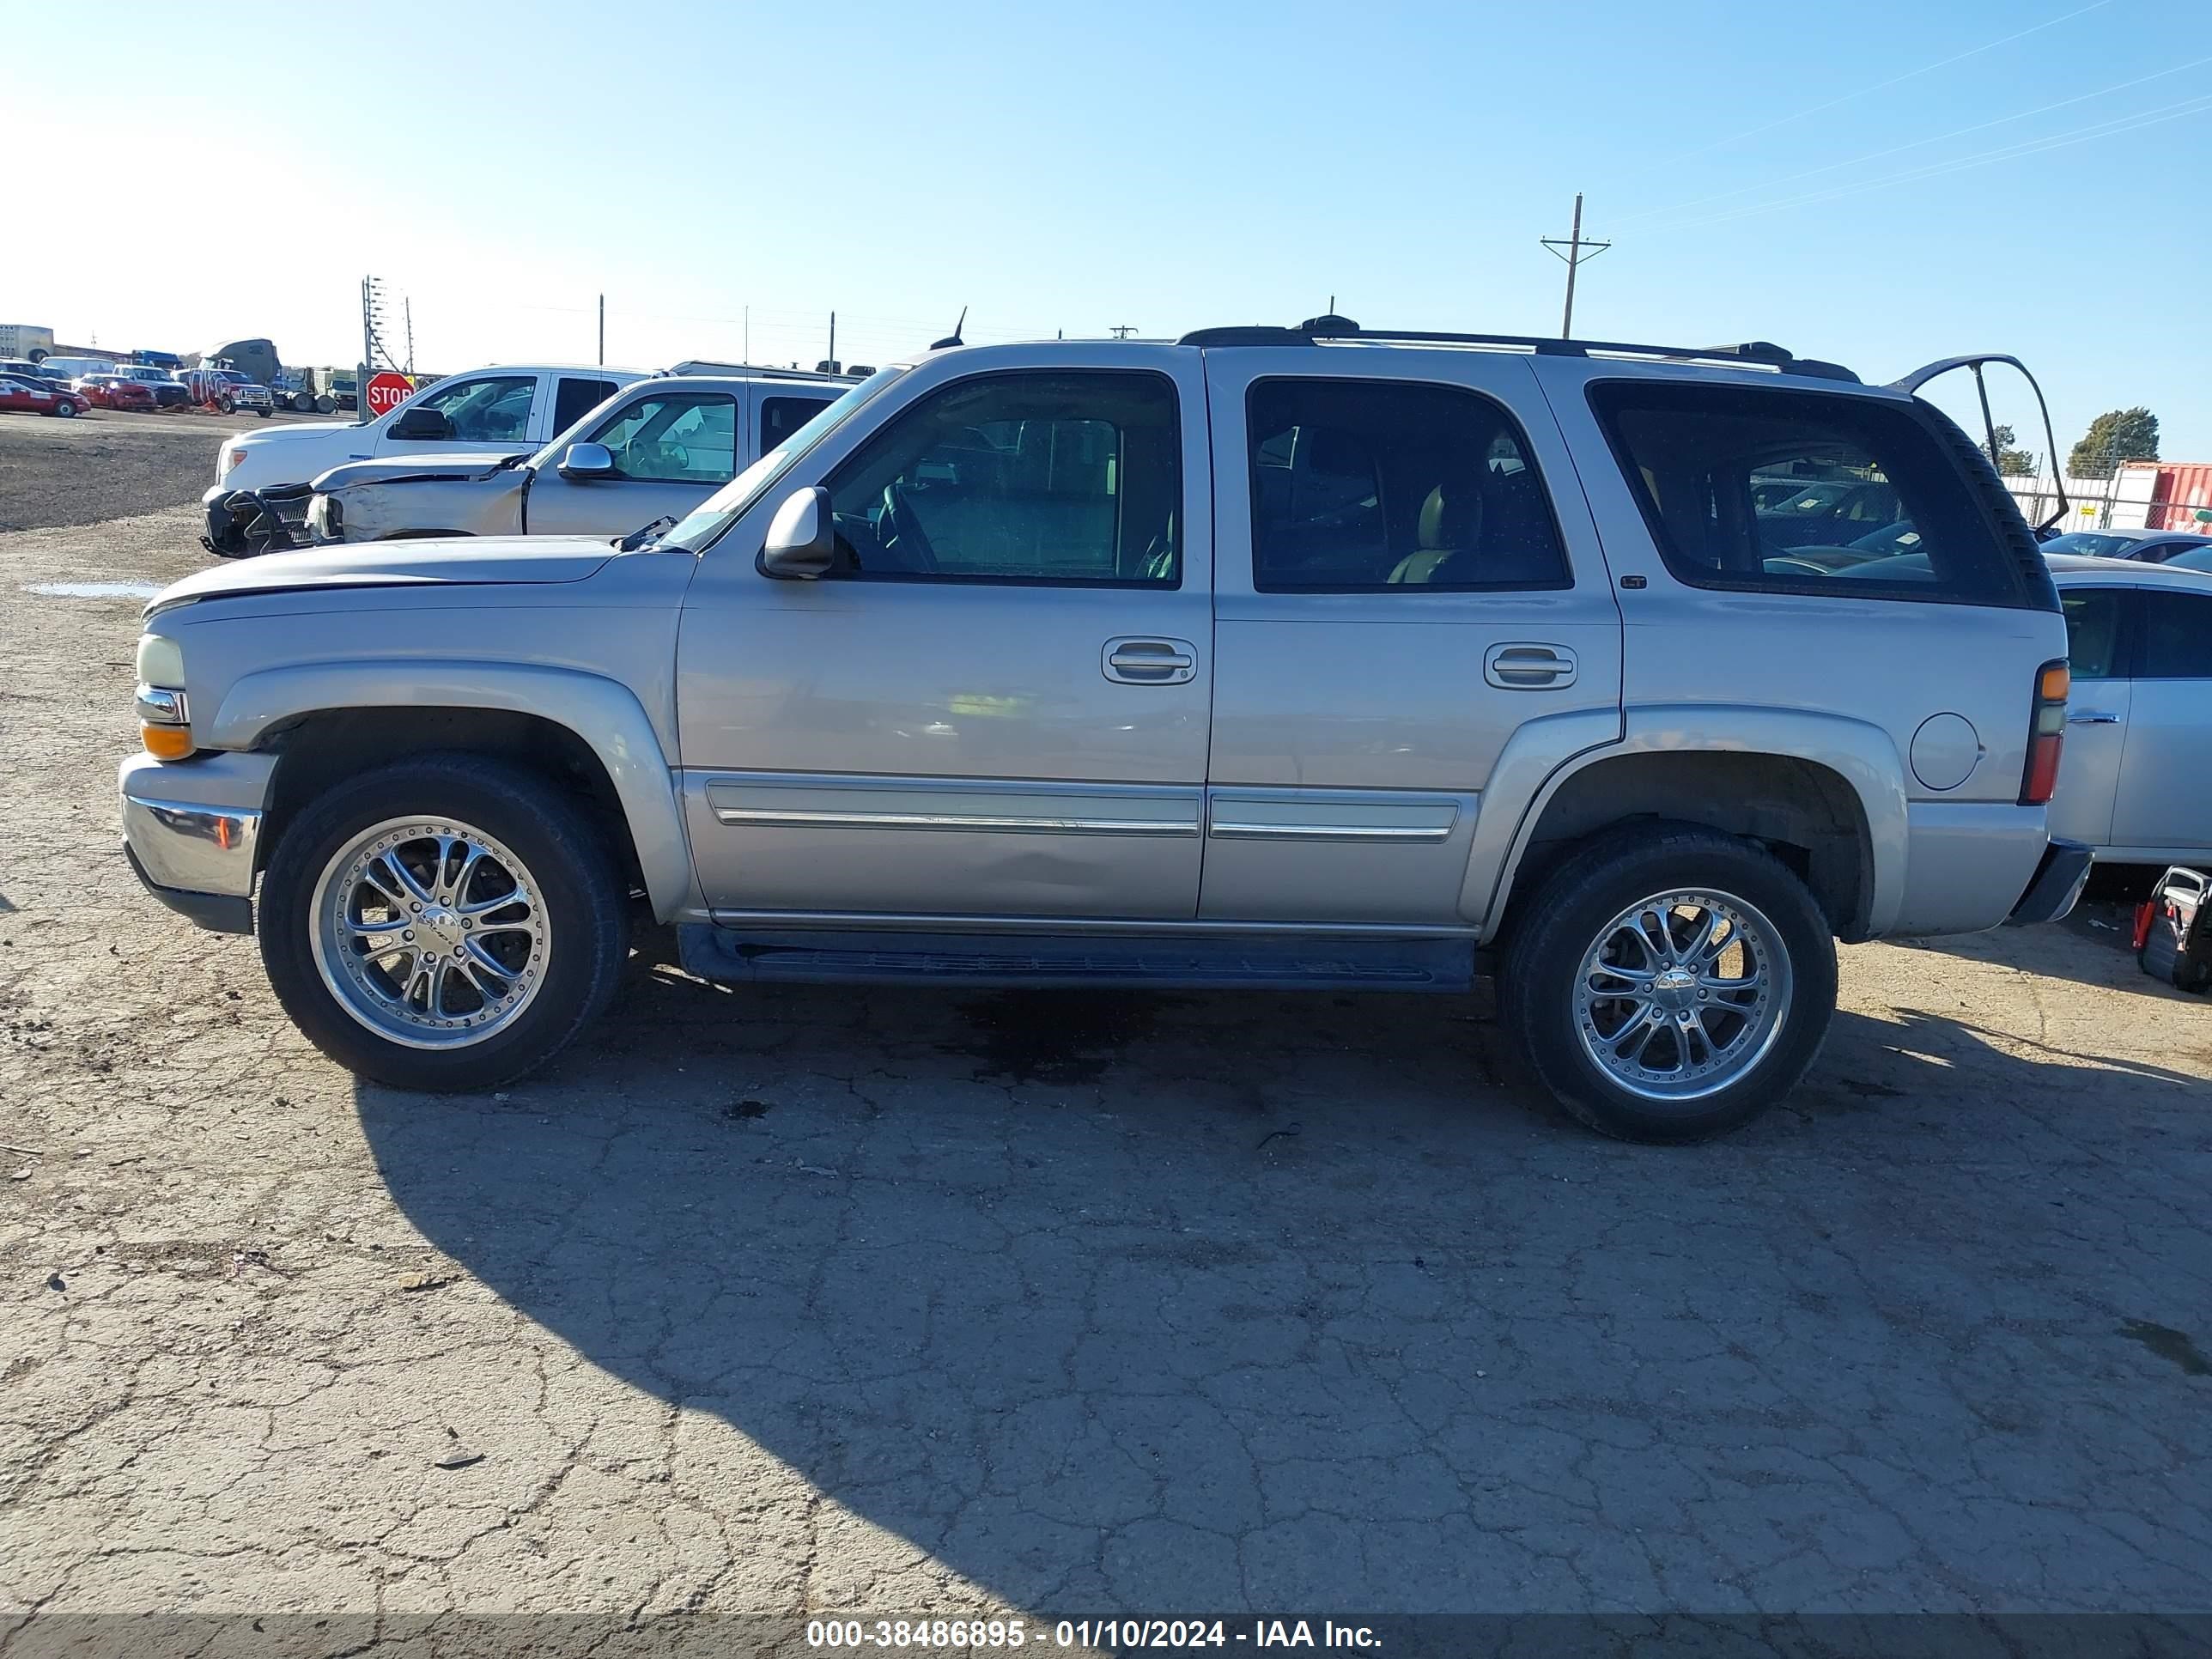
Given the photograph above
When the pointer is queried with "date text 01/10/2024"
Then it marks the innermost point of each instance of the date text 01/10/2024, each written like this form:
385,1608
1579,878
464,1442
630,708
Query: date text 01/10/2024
1110,1634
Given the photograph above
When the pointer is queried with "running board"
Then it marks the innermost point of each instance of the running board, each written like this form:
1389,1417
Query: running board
1163,961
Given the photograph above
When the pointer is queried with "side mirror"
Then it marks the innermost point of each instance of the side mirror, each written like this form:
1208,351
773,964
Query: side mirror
802,540
584,462
423,423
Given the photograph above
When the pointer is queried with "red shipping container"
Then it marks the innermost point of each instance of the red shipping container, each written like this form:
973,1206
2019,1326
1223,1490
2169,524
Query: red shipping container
2182,489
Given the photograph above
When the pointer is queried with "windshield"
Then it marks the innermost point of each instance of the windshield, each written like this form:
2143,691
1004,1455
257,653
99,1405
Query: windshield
698,530
2095,547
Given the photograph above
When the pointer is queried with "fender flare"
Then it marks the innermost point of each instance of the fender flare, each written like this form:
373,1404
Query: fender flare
604,714
1861,753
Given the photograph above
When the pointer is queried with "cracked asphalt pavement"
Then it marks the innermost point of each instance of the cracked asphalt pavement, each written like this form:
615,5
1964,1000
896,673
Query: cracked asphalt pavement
911,1302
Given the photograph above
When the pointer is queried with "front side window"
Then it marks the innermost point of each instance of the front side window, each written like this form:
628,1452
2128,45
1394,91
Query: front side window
1041,477
1744,487
2092,631
1383,486
674,438
780,417
2177,635
495,409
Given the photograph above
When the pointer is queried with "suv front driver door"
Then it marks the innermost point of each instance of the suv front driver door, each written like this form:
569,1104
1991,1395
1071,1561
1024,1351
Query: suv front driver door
996,705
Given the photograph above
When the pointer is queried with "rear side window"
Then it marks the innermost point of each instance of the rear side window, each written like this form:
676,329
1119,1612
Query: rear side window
2177,637
1383,486
1747,488
781,416
576,398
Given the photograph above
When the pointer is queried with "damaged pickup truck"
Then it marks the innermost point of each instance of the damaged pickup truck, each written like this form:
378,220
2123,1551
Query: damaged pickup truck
655,450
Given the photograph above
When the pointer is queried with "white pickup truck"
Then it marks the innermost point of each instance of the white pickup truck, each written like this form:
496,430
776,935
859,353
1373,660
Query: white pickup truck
511,409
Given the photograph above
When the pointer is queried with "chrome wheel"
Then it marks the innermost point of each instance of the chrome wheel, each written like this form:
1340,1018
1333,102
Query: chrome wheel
429,932
1682,994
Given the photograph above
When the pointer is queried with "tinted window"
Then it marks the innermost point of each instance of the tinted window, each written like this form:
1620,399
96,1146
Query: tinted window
2177,637
2092,631
495,409
1376,485
781,416
687,437
577,398
2089,545
1748,488
1032,477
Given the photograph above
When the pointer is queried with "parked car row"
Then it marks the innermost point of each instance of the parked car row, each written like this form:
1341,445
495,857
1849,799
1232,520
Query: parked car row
1293,657
513,449
21,394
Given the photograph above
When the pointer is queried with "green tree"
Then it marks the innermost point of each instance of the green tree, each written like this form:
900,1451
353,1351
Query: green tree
2013,462
2116,436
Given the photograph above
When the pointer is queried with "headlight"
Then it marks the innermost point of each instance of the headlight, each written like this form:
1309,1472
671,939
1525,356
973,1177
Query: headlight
231,458
160,661
164,719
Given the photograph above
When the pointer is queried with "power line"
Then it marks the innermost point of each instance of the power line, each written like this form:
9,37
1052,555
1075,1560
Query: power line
1959,164
1879,86
1664,211
1574,243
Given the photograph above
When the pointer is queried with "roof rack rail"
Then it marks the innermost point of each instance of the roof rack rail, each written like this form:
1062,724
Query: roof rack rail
763,371
1316,328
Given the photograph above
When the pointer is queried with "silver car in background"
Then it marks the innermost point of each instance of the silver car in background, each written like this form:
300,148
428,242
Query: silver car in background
2137,783
654,450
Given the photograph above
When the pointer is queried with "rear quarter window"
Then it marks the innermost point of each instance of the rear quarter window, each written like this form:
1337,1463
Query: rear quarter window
1790,491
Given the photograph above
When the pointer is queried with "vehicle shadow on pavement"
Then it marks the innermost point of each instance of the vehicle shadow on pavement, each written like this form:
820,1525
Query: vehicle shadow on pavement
1254,1301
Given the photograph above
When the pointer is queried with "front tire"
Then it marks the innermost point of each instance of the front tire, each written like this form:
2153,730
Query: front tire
444,924
65,409
1670,983
227,406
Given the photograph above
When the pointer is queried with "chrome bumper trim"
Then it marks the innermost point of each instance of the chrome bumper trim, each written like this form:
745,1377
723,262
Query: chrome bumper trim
196,848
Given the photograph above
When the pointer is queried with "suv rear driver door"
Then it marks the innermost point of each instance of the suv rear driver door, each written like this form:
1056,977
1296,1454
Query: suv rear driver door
1407,576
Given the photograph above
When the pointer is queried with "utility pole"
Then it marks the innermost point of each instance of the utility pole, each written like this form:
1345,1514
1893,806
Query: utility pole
1123,331
1577,250
603,331
749,334
833,342
409,303
368,301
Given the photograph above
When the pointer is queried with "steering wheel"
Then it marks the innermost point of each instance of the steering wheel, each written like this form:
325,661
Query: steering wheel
902,537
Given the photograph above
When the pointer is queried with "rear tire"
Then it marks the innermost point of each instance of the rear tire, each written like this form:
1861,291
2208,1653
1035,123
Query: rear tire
1729,1031
65,409
367,998
326,405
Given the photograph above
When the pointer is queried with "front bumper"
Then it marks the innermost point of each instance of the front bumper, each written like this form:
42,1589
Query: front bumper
192,832
2059,879
243,522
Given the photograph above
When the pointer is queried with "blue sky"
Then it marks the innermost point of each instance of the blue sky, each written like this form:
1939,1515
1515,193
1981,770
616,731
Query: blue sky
1880,183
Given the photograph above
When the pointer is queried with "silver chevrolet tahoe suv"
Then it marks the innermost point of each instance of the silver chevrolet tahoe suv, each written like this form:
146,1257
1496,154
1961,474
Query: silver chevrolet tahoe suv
1304,657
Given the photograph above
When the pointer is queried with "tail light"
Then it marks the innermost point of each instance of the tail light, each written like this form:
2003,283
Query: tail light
2046,735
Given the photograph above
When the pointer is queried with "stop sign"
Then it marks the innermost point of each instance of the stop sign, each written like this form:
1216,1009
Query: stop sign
387,392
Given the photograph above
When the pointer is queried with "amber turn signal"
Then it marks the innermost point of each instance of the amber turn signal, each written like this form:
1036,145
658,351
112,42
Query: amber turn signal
166,742
2054,683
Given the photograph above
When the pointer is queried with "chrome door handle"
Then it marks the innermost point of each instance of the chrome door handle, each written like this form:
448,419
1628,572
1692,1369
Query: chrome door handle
2092,717
1524,667
1135,659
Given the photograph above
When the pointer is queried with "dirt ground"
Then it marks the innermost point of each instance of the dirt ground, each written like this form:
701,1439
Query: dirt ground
907,1302
107,465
